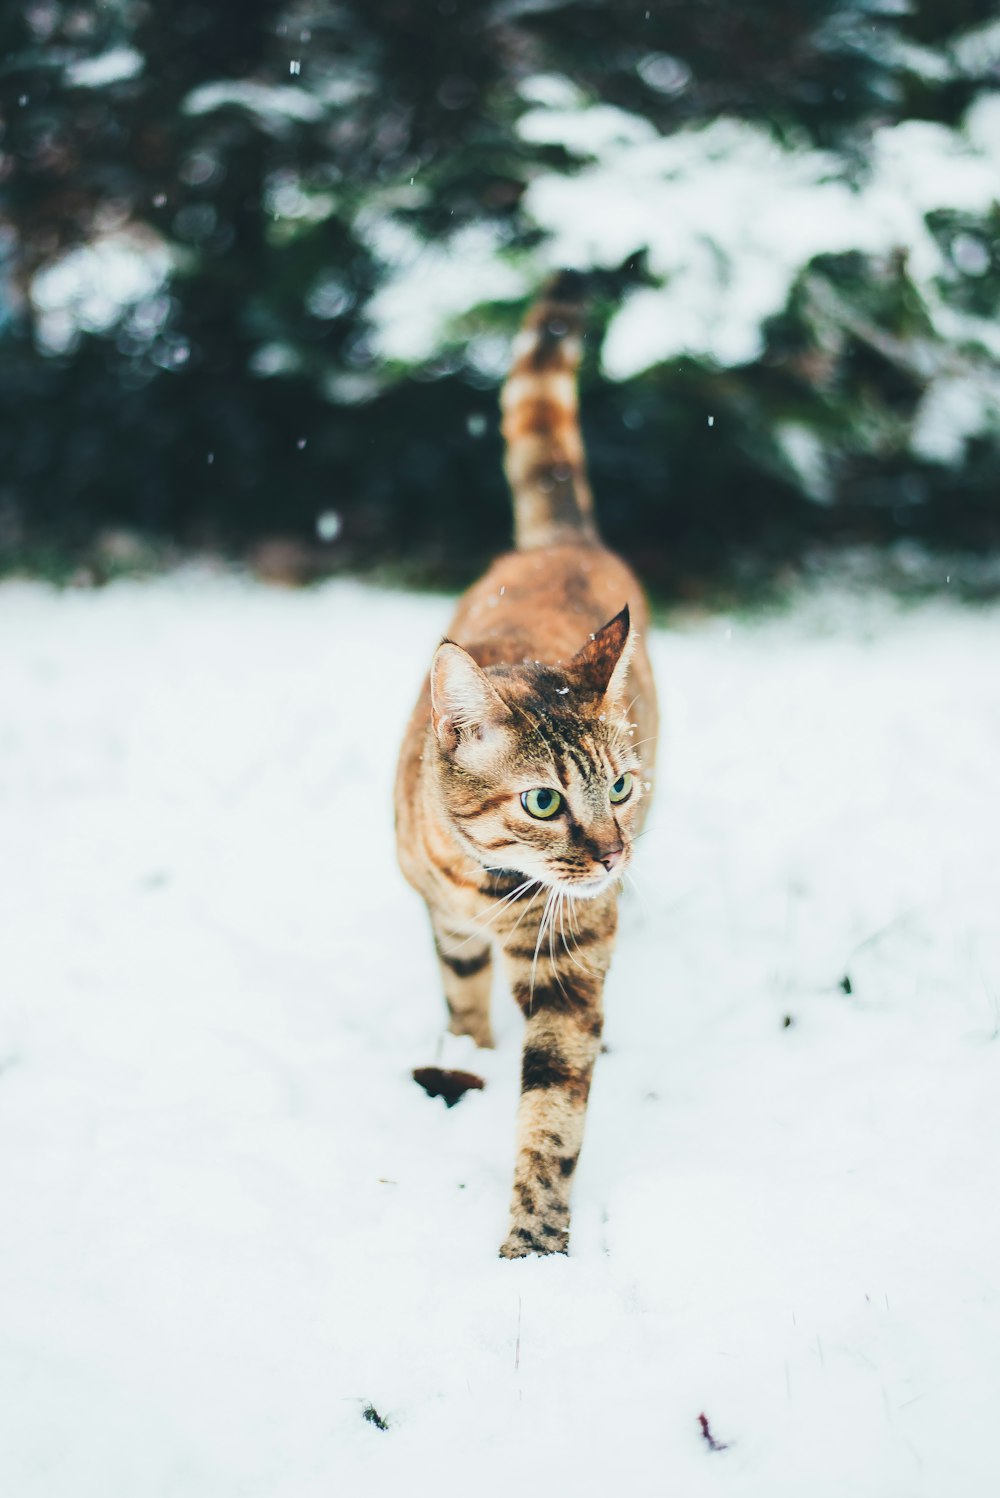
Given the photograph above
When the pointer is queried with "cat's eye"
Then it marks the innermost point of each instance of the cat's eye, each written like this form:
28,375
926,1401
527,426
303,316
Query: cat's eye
542,803
622,788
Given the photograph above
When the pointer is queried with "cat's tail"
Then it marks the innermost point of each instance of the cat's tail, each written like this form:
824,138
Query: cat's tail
545,462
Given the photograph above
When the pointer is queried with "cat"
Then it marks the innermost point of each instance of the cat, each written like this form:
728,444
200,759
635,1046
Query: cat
527,767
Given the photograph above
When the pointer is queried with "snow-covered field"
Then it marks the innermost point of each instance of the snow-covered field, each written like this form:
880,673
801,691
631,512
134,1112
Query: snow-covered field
231,1221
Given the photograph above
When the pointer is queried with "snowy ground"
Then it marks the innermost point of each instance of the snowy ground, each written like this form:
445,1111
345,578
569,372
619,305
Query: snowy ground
231,1219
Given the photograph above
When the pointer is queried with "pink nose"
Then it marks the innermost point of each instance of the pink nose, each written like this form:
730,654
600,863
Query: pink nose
610,857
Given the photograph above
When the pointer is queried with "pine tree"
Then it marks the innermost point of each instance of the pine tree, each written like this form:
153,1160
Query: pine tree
208,209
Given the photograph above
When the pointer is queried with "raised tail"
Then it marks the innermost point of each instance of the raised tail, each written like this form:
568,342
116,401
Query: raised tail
545,462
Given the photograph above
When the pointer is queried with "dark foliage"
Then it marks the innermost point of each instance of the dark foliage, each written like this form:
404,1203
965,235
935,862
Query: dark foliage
371,1414
242,398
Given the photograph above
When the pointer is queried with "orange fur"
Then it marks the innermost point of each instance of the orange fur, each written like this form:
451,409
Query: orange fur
544,682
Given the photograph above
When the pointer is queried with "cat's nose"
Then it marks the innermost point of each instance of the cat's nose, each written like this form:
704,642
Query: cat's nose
610,857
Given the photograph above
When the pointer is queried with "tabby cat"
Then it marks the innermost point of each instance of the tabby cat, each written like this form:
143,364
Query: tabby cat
526,771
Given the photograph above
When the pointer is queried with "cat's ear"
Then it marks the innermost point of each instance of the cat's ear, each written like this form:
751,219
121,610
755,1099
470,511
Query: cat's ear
603,661
464,704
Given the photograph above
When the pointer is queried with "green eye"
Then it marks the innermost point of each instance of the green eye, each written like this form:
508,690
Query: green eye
622,788
542,803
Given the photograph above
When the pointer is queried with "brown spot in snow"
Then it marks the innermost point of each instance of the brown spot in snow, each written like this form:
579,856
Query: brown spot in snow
451,1085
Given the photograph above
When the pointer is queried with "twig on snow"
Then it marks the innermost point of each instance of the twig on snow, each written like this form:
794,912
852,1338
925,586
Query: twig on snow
706,1430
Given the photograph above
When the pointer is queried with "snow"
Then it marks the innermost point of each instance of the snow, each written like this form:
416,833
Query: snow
951,412
113,66
803,450
412,311
274,105
232,1220
729,217
93,285
977,52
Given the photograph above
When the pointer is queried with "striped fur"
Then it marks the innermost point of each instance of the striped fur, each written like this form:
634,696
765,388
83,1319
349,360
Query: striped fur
543,683
545,462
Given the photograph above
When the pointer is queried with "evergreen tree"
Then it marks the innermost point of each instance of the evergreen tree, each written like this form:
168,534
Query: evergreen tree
220,221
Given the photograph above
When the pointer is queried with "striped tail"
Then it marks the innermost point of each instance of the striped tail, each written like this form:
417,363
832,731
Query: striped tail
545,463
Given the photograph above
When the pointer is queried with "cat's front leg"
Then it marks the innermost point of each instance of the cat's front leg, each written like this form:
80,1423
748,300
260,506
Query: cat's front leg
466,976
564,1015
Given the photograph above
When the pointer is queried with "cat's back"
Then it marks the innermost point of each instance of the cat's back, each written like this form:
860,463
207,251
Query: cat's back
540,604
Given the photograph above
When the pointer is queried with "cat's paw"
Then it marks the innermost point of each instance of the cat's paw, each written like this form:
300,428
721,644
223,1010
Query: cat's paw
542,1238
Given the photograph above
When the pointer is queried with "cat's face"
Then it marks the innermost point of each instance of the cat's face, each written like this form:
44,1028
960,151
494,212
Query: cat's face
537,766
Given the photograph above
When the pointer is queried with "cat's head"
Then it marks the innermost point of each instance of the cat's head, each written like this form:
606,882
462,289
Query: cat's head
537,767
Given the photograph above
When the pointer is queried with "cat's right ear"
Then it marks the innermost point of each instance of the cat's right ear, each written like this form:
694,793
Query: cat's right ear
464,704
604,660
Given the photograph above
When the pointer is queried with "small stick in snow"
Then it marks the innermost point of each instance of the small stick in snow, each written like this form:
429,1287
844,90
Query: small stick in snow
706,1431
371,1414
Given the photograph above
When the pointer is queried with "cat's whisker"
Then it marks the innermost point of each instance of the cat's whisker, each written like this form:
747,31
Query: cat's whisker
549,913
560,895
570,953
520,889
503,904
552,922
520,918
538,943
508,899
626,743
636,886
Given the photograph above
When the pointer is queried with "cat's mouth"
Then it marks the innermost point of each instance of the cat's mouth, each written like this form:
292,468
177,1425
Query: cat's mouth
509,881
589,889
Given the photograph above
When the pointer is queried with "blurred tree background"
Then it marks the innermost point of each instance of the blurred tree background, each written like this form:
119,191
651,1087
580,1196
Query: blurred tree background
260,264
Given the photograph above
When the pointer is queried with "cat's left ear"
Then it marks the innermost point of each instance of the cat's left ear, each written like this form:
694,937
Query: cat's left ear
603,661
464,704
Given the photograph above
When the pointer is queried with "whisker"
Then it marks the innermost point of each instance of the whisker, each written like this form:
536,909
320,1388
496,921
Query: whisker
520,918
508,898
560,895
624,742
552,953
501,906
568,905
538,943
635,885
